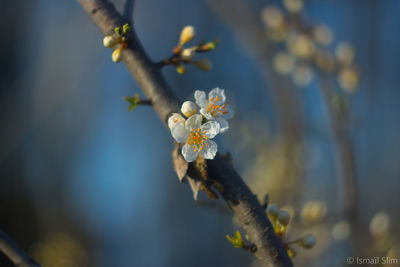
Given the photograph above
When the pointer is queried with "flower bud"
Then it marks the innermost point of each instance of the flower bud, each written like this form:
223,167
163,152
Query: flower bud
307,241
175,120
187,54
187,34
273,210
209,46
203,64
116,55
188,108
109,41
294,6
283,217
181,69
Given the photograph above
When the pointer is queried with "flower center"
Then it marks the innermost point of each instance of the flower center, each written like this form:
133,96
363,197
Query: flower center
197,139
215,108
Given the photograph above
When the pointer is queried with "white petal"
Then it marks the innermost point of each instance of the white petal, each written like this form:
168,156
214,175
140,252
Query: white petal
223,125
193,122
188,153
230,113
179,133
208,116
200,97
210,150
174,120
217,92
211,128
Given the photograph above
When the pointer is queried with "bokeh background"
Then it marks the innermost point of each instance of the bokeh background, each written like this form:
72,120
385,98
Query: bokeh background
83,182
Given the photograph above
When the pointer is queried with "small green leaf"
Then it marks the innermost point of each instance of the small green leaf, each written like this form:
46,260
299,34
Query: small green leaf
118,31
126,28
237,240
133,100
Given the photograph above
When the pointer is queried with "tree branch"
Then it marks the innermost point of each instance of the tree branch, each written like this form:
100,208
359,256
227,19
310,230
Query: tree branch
128,9
14,252
270,249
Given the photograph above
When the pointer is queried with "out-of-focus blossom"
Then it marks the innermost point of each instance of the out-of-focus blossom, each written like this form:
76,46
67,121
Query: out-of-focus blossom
344,53
341,230
313,212
300,45
272,17
302,75
203,64
322,35
283,63
324,60
379,224
349,78
293,6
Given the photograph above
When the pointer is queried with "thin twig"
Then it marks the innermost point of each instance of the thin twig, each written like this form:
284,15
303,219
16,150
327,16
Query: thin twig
270,249
18,256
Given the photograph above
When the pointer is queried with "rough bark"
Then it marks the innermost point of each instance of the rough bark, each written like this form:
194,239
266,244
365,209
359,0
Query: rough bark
14,252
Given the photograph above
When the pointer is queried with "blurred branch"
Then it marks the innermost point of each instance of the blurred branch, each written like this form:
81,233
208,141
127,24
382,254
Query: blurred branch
128,9
270,249
14,252
344,153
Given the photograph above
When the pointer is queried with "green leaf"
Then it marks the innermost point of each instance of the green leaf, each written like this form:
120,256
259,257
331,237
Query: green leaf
126,28
237,240
133,100
118,31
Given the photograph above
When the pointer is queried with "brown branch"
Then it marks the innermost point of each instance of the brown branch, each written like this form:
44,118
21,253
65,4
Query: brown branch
344,157
128,9
270,249
18,256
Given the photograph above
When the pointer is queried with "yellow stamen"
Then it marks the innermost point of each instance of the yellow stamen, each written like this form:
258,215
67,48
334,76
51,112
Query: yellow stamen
197,139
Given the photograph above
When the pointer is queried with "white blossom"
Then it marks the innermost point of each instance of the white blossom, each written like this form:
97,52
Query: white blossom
214,108
174,120
196,136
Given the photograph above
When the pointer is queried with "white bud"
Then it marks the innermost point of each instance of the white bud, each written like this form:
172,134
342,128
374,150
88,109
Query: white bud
109,41
189,108
187,34
187,54
116,55
283,217
307,241
174,120
273,210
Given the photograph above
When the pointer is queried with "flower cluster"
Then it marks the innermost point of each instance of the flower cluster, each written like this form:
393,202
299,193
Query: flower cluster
117,41
307,47
196,130
280,220
185,55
